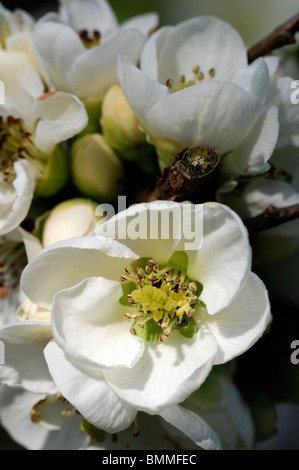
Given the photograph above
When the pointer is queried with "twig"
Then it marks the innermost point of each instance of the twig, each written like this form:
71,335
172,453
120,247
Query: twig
281,36
271,217
189,171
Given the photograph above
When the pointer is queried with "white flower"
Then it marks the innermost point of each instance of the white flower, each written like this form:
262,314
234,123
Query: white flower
104,370
31,125
64,61
196,88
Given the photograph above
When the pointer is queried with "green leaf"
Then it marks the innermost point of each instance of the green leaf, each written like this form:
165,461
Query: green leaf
190,330
151,331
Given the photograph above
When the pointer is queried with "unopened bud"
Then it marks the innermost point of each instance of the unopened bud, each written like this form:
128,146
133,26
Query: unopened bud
97,170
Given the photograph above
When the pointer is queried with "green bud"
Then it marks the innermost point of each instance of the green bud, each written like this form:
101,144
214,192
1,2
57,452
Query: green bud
120,125
69,219
166,150
96,434
96,169
93,108
56,174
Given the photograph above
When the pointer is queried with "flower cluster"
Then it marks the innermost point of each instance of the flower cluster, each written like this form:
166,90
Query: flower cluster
131,327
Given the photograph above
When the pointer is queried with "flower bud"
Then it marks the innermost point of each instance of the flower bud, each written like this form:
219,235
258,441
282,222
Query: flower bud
119,123
55,175
69,219
97,170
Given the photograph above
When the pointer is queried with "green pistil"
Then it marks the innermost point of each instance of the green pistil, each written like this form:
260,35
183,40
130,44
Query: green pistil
162,298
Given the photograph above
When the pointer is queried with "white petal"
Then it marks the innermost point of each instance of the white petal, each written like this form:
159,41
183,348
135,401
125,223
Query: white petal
25,365
251,157
145,23
215,114
237,327
280,95
95,70
69,262
56,47
223,262
62,116
193,426
141,92
149,55
22,83
91,396
152,230
90,15
88,324
204,41
17,197
167,372
32,244
254,78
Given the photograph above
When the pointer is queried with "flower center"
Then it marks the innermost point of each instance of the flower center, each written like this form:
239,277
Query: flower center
162,298
16,143
198,77
90,39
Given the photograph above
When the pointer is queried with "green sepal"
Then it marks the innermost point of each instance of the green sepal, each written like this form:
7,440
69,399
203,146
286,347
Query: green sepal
97,435
151,331
127,288
190,330
139,263
179,260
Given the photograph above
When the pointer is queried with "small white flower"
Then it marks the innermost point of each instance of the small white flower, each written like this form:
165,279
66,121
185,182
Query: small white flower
31,125
195,88
190,311
83,60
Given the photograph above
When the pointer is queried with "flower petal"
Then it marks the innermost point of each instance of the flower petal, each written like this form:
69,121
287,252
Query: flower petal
237,327
223,262
99,63
254,78
141,92
251,157
62,116
152,230
25,365
214,114
193,426
167,372
56,47
146,23
91,396
69,262
88,324
17,197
